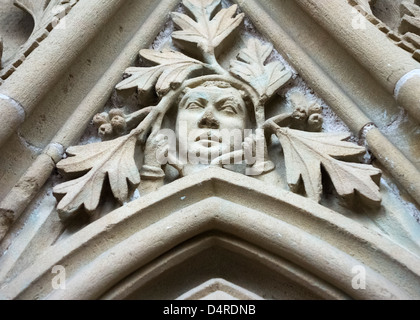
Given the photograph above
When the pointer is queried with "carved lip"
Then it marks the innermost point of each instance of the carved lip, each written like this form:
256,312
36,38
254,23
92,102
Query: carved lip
209,138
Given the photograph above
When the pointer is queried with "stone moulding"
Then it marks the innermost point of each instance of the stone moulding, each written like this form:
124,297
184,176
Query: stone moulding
56,62
308,235
74,127
46,15
408,42
344,237
368,50
192,254
339,100
345,108
206,290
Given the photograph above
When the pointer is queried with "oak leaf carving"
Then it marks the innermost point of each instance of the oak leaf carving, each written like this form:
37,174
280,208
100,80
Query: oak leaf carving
208,33
172,69
250,66
113,159
305,152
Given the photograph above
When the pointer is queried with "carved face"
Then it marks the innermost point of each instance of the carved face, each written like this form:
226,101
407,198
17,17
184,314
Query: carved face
208,114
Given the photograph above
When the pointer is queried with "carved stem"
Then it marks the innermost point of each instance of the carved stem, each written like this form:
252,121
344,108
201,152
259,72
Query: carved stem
272,125
155,116
133,119
213,64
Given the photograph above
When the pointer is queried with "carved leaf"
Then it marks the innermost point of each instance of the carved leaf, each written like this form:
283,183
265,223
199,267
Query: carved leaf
44,11
305,152
250,67
35,8
207,33
174,67
202,8
114,159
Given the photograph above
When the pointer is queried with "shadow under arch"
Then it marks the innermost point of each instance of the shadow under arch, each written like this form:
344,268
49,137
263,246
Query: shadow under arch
256,273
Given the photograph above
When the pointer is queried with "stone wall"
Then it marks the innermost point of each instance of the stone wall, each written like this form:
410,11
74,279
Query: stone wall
331,96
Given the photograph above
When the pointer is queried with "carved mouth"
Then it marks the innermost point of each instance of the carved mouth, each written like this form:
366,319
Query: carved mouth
211,137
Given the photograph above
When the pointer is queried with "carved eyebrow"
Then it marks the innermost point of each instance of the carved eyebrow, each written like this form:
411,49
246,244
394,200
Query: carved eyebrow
227,99
222,101
199,100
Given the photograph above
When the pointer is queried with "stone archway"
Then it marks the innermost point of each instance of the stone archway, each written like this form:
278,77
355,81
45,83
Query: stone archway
311,236
338,70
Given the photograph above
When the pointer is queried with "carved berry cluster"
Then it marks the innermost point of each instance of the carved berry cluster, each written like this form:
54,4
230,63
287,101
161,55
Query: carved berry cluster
110,124
307,114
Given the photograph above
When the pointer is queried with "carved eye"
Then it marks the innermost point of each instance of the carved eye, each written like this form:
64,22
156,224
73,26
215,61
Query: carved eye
229,108
194,105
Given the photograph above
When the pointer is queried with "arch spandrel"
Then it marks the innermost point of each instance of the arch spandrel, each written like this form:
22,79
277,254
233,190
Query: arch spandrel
352,211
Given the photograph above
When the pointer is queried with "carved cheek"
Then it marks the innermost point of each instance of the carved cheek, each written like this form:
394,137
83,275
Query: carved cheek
237,121
189,118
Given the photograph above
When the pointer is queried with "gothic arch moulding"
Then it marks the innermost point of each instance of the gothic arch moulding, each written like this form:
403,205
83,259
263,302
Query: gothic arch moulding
307,242
276,133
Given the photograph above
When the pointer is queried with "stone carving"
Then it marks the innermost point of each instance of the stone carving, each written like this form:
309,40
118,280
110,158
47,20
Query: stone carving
171,70
305,153
46,15
210,99
250,67
364,4
407,36
208,33
113,159
410,22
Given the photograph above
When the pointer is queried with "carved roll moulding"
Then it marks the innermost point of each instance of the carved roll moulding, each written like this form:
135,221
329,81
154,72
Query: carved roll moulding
407,36
225,138
47,15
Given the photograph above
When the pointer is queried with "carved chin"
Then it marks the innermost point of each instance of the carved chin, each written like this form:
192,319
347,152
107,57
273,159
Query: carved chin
210,144
208,147
205,146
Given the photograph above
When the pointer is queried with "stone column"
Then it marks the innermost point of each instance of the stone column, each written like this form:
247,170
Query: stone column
393,67
26,87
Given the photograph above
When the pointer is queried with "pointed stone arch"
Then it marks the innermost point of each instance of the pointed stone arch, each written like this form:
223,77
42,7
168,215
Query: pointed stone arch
286,225
218,288
239,201
232,265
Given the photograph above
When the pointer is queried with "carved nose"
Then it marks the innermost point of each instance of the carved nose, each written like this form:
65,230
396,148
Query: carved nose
208,121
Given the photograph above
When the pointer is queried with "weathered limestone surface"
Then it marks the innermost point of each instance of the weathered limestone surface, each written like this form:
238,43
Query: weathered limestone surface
16,27
115,165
